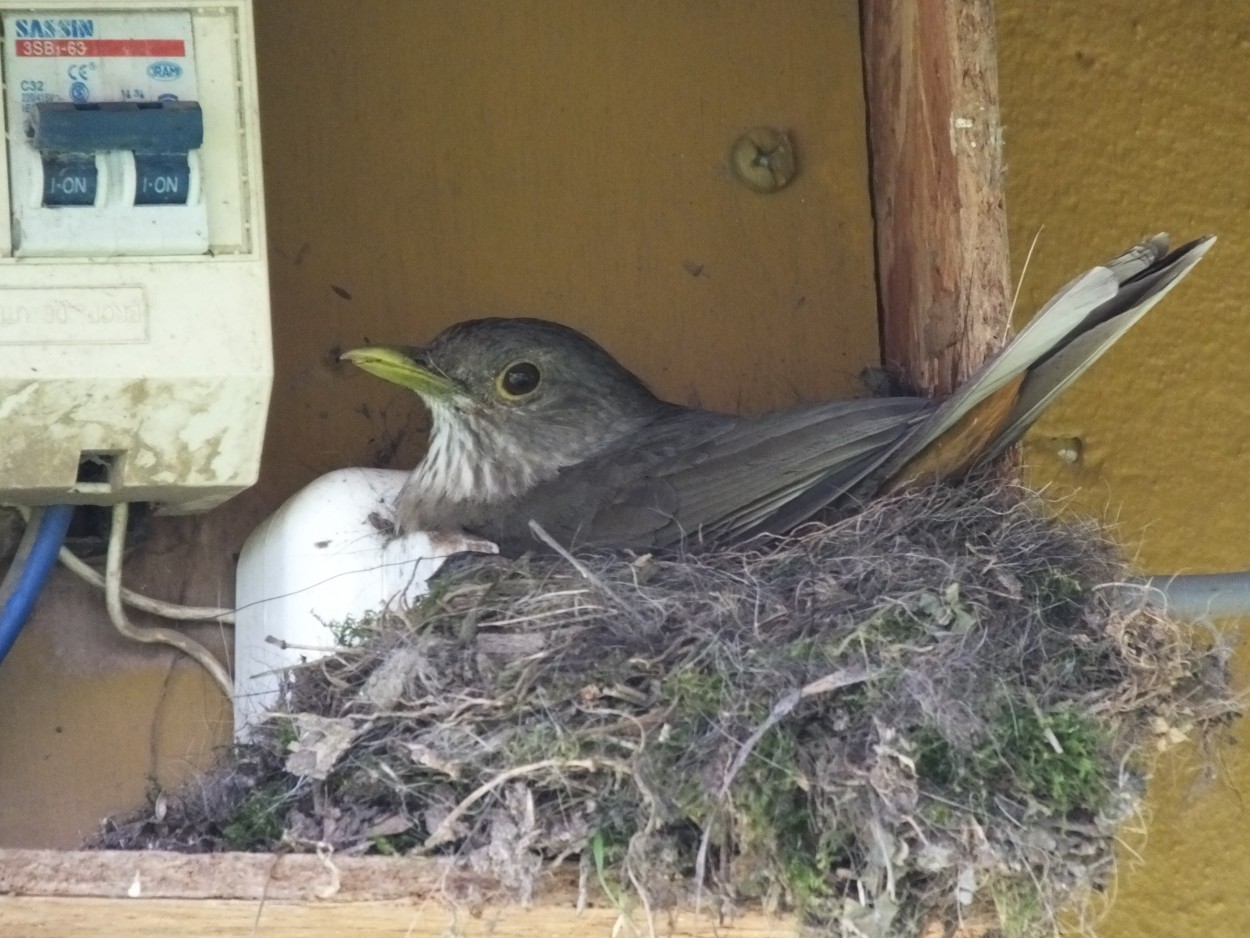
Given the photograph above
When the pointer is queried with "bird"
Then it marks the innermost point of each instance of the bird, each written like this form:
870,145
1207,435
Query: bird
536,425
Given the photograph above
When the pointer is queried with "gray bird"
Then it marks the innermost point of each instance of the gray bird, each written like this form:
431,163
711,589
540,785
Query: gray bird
533,421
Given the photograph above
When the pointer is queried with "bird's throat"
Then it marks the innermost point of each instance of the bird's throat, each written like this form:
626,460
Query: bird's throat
468,471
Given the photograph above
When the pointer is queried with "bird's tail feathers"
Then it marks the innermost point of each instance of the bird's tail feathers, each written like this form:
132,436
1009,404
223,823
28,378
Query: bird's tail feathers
1066,336
1051,376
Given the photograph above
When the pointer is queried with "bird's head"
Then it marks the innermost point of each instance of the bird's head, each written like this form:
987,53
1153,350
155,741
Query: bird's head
515,399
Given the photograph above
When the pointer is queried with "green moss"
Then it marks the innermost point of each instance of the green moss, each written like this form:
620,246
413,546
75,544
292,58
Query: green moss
895,625
353,631
1056,757
937,813
396,845
533,742
1057,589
940,765
1053,757
259,821
694,691
284,733
774,820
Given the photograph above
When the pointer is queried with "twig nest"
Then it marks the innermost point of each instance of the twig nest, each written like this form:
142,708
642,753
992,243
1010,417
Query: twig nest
943,705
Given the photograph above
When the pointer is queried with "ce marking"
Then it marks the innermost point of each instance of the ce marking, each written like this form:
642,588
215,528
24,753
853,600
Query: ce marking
80,72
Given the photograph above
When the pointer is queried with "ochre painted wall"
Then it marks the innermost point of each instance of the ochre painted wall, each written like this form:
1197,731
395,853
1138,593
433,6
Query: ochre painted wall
1124,117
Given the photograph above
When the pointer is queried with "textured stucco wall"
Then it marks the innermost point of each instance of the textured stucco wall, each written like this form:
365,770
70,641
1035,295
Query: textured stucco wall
1124,117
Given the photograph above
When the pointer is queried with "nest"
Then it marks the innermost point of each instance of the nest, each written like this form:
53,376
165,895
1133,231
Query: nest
944,705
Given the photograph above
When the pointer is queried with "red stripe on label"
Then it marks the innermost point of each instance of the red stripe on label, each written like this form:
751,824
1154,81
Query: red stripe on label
101,48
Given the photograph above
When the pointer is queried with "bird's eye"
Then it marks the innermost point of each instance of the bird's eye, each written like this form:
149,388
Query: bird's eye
518,379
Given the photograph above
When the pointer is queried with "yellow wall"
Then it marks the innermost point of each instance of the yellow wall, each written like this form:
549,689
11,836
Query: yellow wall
1124,117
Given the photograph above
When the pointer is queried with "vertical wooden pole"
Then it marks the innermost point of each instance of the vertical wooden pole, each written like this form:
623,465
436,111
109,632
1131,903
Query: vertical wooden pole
943,275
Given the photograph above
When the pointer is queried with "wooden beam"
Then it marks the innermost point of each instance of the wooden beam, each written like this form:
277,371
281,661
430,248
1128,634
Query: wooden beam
154,874
152,894
935,139
220,918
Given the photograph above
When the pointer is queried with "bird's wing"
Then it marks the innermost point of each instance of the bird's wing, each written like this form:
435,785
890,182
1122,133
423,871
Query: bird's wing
698,475
1068,335
777,471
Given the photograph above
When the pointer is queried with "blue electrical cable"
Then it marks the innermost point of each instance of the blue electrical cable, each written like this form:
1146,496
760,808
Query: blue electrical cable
34,561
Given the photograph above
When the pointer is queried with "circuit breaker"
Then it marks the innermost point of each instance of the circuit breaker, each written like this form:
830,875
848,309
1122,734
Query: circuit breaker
135,353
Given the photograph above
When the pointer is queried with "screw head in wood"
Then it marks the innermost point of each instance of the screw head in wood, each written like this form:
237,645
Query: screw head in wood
763,159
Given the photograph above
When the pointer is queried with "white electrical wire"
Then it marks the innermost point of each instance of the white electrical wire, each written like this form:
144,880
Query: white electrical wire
146,603
117,612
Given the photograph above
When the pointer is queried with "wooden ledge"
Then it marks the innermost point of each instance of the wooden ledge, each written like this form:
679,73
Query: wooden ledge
152,894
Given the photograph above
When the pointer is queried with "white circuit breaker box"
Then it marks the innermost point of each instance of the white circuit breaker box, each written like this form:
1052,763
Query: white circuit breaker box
135,352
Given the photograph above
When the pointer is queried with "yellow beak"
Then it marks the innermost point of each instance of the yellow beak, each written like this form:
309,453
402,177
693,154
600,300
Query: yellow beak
398,367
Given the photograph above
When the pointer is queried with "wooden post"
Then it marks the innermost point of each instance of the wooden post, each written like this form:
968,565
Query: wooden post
943,275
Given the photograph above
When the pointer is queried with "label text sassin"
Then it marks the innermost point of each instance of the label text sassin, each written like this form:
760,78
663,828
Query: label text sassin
55,29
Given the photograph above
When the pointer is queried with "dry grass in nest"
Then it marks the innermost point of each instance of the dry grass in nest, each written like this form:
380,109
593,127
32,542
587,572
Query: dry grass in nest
945,704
